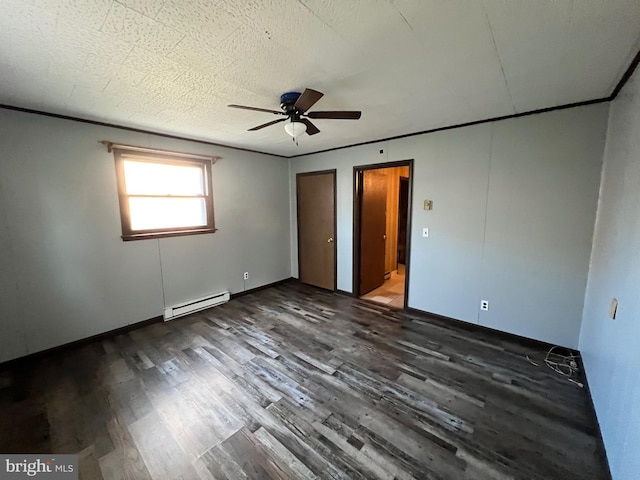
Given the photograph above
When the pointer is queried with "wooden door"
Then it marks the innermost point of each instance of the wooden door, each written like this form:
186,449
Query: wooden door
316,228
373,225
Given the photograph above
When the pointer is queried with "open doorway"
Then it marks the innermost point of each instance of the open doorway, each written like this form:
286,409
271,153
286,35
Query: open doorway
382,204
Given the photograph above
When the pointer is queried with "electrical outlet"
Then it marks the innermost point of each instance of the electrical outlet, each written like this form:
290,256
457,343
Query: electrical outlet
246,275
484,305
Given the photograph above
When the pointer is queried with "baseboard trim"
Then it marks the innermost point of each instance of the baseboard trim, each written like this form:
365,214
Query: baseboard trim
585,382
472,327
32,357
78,343
262,287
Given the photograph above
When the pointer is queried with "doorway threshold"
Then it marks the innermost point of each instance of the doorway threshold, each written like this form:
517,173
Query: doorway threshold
391,293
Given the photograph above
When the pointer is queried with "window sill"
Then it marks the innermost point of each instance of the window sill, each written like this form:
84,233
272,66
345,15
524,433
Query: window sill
174,233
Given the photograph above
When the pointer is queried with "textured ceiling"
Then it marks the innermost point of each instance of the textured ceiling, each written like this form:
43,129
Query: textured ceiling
172,66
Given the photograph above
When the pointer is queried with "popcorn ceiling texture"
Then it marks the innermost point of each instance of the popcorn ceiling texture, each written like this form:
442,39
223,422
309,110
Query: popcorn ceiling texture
173,65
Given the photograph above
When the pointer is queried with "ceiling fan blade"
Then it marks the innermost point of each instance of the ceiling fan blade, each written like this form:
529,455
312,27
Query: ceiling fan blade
342,115
244,107
267,124
308,98
311,128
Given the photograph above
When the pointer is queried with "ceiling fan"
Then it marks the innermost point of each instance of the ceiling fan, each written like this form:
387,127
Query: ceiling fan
294,107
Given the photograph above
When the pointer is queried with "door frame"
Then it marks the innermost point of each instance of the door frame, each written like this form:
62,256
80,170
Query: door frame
358,172
333,172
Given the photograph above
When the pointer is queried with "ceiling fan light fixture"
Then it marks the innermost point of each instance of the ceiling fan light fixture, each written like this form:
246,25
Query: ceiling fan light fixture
294,106
295,129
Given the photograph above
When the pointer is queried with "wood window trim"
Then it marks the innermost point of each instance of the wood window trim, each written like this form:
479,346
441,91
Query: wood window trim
122,152
158,151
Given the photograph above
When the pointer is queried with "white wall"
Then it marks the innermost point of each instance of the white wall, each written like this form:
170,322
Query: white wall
610,348
514,205
543,192
65,274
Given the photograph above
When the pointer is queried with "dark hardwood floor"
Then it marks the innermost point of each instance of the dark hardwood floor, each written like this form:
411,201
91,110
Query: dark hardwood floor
293,382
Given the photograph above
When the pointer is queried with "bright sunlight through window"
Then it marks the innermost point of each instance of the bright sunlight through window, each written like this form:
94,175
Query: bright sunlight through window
163,196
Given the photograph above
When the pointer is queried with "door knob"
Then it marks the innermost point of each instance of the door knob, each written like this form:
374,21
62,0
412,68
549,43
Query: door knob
384,237
330,240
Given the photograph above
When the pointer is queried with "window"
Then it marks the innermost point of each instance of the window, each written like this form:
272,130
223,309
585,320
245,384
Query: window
163,194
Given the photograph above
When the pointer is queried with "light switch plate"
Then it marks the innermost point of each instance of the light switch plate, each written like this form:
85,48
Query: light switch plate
428,204
425,232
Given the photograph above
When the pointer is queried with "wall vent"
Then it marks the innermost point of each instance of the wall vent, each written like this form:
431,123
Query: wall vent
195,305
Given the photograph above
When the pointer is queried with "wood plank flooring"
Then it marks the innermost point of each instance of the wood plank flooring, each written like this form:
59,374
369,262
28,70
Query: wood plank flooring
293,382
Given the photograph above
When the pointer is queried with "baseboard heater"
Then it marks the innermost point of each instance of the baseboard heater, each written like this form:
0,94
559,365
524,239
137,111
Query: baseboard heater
195,305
